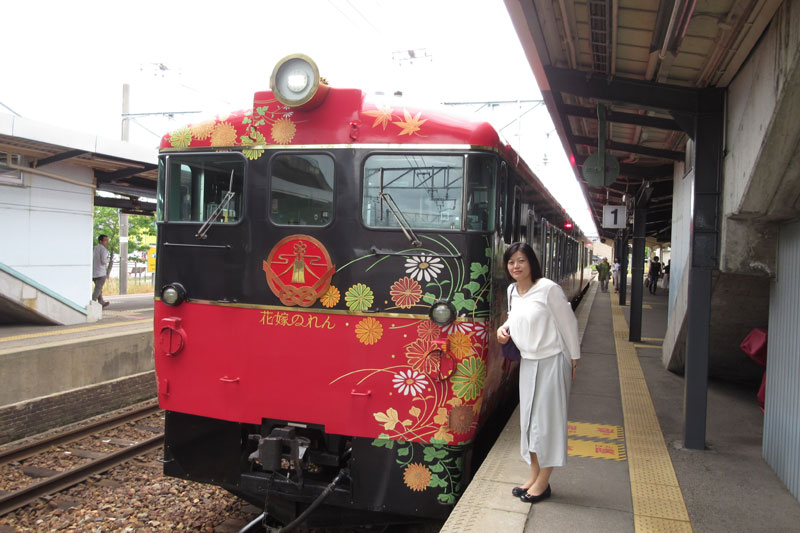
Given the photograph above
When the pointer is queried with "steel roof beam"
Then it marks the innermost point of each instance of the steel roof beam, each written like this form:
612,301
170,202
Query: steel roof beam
623,118
120,174
624,91
69,154
632,148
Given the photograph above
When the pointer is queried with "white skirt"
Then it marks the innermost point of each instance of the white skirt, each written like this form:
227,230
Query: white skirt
544,386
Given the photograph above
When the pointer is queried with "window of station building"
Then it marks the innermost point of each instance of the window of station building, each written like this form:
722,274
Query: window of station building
9,175
191,188
301,189
482,170
424,190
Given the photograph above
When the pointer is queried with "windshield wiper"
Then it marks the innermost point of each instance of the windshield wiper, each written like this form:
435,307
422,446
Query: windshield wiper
201,233
401,220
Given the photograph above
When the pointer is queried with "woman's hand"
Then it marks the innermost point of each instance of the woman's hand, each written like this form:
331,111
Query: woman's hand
503,335
574,368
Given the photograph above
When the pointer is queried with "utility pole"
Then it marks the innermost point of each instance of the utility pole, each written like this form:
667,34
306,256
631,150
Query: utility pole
123,218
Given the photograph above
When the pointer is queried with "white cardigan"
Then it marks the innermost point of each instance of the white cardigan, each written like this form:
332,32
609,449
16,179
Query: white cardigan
542,323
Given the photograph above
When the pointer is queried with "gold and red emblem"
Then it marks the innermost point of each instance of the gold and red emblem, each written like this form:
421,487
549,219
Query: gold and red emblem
299,270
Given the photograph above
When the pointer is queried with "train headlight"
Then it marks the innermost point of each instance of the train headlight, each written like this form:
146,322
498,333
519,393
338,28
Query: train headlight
173,294
442,313
296,82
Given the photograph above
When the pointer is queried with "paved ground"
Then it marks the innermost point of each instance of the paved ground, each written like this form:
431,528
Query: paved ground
726,488
128,312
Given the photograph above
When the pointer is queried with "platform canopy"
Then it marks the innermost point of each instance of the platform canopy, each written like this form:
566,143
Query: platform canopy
649,62
118,167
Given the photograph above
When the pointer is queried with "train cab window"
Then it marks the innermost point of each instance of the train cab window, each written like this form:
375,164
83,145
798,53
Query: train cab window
424,190
194,187
301,189
480,192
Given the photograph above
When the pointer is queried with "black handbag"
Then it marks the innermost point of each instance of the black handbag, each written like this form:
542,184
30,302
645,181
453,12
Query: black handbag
509,349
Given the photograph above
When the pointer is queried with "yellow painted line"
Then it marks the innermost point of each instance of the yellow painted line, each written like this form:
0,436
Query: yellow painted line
594,431
653,339
72,330
651,346
129,312
596,449
658,503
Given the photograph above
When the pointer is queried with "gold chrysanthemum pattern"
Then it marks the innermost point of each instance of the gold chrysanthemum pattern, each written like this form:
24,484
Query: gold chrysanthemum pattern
202,130
283,130
417,477
331,297
369,331
224,134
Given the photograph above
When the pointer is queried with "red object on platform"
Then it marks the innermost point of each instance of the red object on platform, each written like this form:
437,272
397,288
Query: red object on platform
755,345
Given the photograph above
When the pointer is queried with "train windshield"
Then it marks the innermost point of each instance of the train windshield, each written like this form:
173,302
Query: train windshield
428,190
191,187
301,189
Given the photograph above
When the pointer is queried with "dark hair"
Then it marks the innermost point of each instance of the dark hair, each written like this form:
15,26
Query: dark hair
536,269
101,237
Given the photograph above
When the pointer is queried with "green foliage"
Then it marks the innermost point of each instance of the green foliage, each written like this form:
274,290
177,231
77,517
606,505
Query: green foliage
383,441
141,231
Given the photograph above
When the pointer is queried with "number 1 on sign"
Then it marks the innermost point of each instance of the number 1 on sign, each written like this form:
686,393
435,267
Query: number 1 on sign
614,216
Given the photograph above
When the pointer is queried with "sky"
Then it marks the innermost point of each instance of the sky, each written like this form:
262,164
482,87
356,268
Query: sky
65,64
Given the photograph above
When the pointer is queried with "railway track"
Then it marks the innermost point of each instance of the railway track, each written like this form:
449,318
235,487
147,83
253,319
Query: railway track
98,463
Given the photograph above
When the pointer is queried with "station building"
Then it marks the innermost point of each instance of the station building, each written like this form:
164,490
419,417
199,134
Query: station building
49,177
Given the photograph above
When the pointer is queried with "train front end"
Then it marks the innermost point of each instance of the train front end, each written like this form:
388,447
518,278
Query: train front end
327,273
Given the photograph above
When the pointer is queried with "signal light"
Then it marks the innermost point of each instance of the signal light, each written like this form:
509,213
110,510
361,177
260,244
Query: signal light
568,225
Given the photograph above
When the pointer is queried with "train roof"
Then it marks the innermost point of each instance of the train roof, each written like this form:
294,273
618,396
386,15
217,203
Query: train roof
348,118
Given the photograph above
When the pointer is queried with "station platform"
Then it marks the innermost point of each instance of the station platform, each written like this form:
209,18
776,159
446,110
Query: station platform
62,374
627,469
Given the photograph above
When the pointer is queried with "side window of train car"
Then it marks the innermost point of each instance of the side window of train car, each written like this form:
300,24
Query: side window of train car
516,215
301,189
195,186
502,215
426,190
481,170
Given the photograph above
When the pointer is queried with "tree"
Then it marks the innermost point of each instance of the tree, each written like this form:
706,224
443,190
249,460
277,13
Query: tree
106,222
141,230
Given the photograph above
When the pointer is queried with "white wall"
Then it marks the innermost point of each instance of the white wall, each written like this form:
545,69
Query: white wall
680,248
782,407
46,230
761,161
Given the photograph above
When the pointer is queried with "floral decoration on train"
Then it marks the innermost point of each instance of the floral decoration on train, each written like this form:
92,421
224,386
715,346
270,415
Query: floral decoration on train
427,409
269,122
409,124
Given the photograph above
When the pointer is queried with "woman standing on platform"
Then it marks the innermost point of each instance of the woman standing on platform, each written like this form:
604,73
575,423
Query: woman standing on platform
545,330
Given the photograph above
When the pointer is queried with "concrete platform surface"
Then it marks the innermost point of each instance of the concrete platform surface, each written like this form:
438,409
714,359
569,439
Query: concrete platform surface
728,487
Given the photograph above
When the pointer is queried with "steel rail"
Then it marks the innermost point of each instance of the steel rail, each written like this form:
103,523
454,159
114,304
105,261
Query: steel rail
22,452
31,493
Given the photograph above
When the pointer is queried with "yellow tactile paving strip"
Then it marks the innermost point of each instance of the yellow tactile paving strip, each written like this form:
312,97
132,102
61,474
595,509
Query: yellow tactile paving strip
657,499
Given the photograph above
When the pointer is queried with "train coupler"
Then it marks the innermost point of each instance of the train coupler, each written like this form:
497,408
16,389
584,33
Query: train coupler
281,450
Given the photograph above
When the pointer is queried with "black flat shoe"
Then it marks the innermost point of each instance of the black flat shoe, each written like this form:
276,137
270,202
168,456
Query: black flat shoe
530,498
518,491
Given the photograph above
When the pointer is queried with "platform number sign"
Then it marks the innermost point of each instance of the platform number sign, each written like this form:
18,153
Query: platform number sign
615,216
